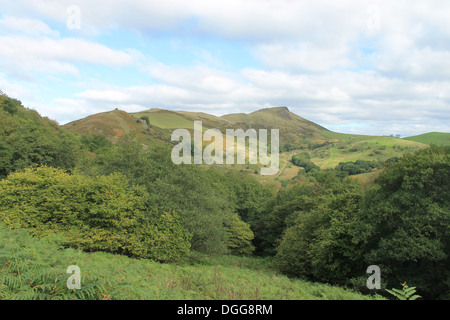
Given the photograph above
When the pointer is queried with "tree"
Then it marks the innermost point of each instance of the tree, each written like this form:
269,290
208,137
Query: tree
318,244
302,160
405,224
240,236
195,193
27,139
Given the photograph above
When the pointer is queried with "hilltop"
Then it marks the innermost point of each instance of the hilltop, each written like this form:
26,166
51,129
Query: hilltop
116,123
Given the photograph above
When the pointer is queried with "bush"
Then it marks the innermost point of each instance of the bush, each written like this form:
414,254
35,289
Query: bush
100,213
240,236
344,169
27,139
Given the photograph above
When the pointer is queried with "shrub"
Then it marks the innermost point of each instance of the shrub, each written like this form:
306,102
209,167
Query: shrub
101,213
240,236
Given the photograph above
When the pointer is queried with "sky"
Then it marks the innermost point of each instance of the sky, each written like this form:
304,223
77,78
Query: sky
354,66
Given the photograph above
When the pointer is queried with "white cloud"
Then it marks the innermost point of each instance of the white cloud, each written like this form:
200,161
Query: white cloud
321,58
14,25
57,55
303,57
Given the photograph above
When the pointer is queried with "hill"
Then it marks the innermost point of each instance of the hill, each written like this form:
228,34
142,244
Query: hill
190,220
297,135
351,147
438,138
116,123
295,132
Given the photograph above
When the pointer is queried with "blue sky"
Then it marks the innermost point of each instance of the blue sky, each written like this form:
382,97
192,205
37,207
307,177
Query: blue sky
370,67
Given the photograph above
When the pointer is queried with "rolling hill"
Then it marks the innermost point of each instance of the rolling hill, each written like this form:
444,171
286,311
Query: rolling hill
116,123
438,138
295,132
297,135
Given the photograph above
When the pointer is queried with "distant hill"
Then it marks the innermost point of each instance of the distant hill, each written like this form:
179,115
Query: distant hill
295,132
438,138
297,135
116,123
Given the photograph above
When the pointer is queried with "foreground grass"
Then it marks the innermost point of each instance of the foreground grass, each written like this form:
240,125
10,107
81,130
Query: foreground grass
36,269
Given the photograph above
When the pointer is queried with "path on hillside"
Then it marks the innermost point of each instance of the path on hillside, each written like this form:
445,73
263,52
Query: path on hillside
285,164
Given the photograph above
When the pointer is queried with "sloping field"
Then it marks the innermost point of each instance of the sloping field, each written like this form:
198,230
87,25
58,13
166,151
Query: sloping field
438,138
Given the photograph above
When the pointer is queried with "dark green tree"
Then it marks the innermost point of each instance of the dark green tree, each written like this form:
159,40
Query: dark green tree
405,225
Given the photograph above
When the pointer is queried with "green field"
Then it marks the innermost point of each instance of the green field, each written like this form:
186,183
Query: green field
165,119
349,147
438,138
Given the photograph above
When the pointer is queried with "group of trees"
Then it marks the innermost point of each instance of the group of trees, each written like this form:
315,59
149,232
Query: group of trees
27,139
344,169
402,224
130,199
202,205
303,160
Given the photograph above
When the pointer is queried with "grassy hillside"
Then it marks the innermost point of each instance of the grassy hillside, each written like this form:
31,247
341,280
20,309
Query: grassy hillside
349,147
116,123
42,266
340,148
294,130
438,138
325,148
168,119
130,201
165,119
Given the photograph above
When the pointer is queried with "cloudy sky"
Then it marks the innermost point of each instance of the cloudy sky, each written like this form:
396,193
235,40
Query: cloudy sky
370,67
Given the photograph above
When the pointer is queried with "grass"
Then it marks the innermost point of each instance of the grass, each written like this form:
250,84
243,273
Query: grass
438,138
166,119
349,147
366,179
36,269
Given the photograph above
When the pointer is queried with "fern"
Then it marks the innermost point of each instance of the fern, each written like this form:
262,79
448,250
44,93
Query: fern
32,269
407,293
